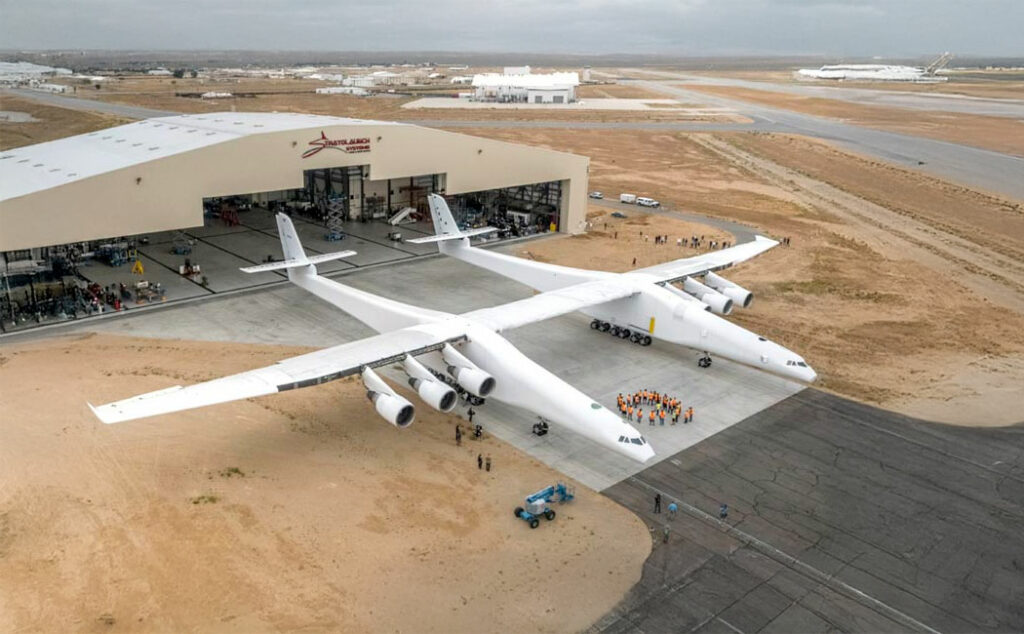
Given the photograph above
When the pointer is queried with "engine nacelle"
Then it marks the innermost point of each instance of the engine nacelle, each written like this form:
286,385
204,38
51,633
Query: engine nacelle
732,290
466,373
718,302
391,407
433,392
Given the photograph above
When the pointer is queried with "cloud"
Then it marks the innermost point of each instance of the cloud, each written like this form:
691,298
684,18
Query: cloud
681,27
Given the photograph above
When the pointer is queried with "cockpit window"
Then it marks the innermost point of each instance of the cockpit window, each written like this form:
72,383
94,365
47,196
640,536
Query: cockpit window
636,441
801,364
761,339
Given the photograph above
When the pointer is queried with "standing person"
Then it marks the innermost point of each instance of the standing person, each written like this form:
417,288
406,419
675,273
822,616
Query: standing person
652,417
673,508
639,415
661,415
471,414
479,461
487,463
634,261
664,534
458,435
657,503
630,410
689,414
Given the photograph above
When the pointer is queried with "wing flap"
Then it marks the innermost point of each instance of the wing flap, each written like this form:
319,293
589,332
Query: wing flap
306,370
554,303
713,261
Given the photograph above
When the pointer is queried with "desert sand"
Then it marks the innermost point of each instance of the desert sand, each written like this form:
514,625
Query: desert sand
302,510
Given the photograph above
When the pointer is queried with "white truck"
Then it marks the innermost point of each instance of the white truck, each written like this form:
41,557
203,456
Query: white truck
629,199
647,202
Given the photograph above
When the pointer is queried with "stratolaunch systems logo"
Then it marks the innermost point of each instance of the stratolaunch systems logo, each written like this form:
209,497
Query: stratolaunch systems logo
350,146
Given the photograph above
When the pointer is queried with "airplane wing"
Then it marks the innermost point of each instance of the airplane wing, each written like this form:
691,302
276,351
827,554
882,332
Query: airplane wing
713,261
553,303
306,370
453,236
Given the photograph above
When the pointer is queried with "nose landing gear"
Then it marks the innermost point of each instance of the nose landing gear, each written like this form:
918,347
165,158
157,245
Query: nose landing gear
705,361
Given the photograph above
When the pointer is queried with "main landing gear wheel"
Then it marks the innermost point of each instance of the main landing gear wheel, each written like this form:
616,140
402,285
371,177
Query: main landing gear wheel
625,333
646,341
595,325
605,326
615,330
635,337
705,362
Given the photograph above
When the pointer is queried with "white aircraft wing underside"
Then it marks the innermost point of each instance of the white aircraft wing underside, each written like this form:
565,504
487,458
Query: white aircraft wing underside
306,370
713,261
553,303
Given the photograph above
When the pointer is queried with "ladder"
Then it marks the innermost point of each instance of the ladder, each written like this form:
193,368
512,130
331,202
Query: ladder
334,219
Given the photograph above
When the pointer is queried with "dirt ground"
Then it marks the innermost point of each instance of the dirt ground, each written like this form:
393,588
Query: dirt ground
53,123
618,91
297,95
298,511
885,290
1000,134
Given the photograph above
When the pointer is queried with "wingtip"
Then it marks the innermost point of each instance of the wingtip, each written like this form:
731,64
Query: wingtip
98,414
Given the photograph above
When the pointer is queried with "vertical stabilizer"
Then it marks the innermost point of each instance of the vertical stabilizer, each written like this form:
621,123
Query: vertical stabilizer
290,245
444,222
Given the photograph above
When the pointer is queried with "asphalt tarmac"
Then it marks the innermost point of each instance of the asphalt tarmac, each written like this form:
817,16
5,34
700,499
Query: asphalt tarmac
842,517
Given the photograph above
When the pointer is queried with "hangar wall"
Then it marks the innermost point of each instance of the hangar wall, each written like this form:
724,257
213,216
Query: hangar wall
166,193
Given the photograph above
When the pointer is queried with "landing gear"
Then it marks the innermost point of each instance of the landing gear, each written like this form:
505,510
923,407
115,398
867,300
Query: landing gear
621,332
705,361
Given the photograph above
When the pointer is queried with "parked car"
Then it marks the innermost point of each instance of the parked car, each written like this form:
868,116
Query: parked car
629,199
618,214
597,195
647,202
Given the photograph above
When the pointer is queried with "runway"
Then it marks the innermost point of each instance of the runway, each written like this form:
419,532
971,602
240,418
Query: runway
929,101
842,517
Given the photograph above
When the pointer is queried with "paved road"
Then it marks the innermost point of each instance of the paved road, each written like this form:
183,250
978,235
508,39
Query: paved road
842,517
944,102
88,105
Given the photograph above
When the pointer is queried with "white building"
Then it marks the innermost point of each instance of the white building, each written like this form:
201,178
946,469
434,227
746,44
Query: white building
529,88
516,70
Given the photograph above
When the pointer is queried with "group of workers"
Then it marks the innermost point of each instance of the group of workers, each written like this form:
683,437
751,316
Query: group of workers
659,407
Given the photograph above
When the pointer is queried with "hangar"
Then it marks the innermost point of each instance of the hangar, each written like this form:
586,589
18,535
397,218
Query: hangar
187,200
154,175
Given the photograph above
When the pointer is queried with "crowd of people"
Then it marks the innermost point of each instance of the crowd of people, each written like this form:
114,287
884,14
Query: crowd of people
659,407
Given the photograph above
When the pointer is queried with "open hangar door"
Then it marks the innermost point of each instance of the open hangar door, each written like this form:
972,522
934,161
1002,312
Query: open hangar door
516,211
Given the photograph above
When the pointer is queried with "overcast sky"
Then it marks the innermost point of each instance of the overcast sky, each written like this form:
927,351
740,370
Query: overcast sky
677,27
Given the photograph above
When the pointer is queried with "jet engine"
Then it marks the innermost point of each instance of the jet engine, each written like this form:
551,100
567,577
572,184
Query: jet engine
433,392
718,302
466,373
732,290
391,407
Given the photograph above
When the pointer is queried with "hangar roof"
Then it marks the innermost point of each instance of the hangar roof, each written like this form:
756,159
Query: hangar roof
37,167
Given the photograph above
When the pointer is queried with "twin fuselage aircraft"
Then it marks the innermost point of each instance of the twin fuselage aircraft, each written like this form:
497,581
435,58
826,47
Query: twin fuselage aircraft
442,353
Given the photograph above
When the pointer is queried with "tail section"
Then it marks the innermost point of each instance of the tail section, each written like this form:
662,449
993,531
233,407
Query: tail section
290,244
445,227
294,255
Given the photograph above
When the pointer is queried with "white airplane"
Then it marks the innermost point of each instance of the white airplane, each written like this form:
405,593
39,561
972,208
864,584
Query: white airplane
656,309
436,350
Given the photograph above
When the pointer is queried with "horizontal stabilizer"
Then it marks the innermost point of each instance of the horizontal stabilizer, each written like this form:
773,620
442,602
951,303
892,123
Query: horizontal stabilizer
290,264
453,236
